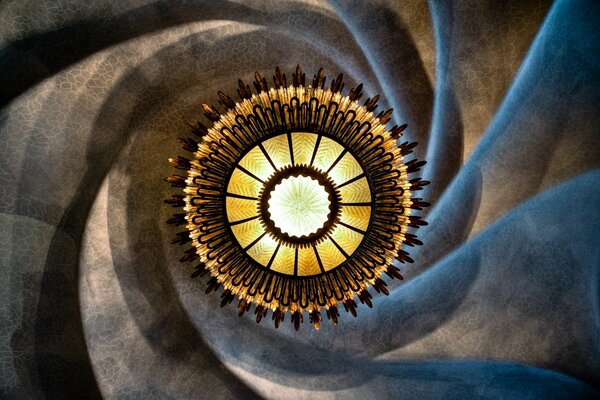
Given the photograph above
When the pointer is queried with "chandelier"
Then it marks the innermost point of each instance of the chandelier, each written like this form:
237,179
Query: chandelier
298,198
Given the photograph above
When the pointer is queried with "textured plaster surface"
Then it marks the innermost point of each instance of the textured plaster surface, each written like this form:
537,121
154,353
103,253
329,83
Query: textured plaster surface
503,300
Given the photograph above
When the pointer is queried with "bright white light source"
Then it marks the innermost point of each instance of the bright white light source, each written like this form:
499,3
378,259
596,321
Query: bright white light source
299,206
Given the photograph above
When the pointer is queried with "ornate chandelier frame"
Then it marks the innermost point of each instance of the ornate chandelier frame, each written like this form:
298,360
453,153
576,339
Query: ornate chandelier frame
284,134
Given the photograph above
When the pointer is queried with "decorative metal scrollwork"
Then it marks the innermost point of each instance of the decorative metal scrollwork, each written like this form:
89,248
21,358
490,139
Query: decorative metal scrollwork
297,199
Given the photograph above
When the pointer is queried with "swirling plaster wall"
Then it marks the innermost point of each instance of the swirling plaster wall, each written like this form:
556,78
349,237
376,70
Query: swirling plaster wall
502,301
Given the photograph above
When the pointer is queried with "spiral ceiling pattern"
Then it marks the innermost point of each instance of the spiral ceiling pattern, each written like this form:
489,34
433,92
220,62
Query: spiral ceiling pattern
503,99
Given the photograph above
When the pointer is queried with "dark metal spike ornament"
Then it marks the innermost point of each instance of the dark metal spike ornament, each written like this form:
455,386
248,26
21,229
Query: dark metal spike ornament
397,131
260,312
297,319
211,113
356,93
384,117
177,220
319,79
189,255
380,286
411,240
212,285
199,270
180,163
189,144
260,83
226,298
333,314
365,298
198,128
181,238
371,104
394,272
299,77
406,148
315,318
418,204
414,165
176,181
277,317
244,90
337,84
176,200
225,101
279,79
417,184
355,188
350,306
243,307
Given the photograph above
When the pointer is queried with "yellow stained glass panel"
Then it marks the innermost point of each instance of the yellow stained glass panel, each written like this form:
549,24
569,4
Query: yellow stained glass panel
239,209
346,169
303,145
346,238
307,262
243,184
256,162
263,250
284,260
328,151
279,150
356,216
330,255
356,192
247,232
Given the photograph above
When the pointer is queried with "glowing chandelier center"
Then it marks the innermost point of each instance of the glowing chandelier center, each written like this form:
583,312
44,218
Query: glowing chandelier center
299,206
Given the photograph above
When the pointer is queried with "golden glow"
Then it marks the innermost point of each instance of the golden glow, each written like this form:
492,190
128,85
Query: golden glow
356,216
299,206
307,262
278,149
330,255
240,209
328,151
263,250
356,192
243,184
346,169
257,164
303,146
284,260
346,238
247,232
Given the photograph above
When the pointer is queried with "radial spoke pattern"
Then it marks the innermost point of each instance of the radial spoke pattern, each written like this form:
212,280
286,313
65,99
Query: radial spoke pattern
299,205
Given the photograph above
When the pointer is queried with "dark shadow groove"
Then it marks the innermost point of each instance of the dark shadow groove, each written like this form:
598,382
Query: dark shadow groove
28,61
146,284
446,145
404,81
63,364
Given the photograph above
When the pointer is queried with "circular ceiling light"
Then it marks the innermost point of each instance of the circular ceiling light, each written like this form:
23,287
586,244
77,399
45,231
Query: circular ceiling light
297,199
